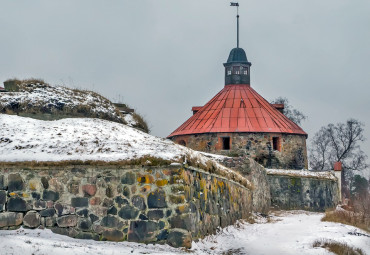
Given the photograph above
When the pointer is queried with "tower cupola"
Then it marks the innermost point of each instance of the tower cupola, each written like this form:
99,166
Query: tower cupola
237,68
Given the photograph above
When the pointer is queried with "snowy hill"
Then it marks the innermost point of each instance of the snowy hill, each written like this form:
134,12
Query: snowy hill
35,97
84,139
26,139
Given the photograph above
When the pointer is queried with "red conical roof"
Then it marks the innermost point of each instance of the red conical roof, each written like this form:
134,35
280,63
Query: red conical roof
238,108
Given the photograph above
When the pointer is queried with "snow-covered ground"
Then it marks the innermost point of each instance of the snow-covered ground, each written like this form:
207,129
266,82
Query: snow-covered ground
289,233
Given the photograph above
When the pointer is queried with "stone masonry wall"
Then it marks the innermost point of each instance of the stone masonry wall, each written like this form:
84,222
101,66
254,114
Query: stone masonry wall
256,174
170,204
312,194
284,191
292,154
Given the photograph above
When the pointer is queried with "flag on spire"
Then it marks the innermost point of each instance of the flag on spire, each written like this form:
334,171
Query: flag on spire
234,4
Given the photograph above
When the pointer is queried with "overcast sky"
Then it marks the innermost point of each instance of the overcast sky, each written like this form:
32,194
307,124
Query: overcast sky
164,56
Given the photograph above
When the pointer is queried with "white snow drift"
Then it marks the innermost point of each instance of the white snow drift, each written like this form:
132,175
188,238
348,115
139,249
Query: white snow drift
26,139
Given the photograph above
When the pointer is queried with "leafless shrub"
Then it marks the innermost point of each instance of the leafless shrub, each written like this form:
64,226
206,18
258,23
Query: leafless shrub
337,247
141,123
349,217
29,80
33,81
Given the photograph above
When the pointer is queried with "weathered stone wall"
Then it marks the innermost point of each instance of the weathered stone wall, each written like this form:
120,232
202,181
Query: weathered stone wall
292,154
312,194
171,204
256,174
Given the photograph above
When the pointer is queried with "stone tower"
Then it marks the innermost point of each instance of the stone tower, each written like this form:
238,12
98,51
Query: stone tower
238,121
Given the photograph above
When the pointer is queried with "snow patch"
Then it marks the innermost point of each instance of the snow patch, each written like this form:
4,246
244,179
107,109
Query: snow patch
130,120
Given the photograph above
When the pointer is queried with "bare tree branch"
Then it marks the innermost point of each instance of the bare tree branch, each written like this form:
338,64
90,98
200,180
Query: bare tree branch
293,114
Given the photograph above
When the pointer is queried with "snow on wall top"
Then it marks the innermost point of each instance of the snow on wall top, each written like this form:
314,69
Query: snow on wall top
302,173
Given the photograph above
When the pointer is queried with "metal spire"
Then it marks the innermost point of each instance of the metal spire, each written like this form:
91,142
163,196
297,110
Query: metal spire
237,22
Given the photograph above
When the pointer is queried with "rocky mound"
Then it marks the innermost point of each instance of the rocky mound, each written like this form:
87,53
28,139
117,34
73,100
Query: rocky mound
37,99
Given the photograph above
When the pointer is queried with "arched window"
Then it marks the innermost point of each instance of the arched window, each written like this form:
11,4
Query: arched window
182,142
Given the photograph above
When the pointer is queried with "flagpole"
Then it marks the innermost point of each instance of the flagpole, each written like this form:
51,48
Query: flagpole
237,22
237,18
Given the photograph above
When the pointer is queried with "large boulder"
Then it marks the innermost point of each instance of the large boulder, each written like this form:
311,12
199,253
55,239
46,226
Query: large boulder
179,238
32,219
17,204
15,182
8,219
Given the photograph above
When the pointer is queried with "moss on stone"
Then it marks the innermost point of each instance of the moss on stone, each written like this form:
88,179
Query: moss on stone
145,179
177,199
161,183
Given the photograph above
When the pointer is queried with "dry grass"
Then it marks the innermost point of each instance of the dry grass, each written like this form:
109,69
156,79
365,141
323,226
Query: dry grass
337,247
238,251
143,161
33,81
357,219
141,123
29,80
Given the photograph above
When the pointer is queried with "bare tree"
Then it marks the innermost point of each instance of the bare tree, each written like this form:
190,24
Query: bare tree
293,114
319,151
339,142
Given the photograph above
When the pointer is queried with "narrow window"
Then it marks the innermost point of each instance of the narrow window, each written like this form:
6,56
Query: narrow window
245,71
182,142
276,143
226,143
228,70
